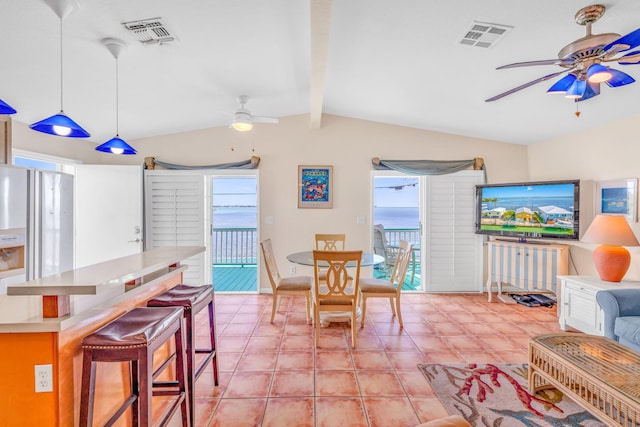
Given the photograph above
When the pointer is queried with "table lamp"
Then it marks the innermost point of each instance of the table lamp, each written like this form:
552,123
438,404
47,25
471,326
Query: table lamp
611,259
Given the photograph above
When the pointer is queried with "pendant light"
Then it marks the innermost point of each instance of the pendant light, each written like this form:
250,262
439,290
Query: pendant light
6,108
60,124
115,145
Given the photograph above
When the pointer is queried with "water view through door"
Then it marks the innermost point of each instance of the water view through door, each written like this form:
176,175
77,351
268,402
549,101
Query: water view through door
234,234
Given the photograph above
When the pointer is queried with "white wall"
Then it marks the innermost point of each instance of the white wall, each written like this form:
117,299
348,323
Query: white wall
608,152
347,144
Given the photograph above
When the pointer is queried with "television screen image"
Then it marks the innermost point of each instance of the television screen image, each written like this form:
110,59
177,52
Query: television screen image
535,210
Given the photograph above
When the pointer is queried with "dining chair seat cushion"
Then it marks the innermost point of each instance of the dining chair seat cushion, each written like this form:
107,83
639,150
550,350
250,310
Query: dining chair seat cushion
377,285
296,283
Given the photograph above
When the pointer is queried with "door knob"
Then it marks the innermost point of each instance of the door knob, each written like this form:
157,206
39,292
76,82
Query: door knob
134,241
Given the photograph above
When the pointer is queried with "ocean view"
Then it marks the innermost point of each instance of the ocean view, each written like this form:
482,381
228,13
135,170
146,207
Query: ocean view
245,217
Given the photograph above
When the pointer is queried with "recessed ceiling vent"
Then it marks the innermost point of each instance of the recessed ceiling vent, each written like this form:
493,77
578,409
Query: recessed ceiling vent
150,31
483,34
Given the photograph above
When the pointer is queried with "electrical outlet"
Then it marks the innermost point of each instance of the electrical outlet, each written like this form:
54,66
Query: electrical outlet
292,269
44,378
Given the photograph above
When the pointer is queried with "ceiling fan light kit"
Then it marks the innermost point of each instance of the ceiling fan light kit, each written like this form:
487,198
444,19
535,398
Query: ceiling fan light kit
582,59
243,120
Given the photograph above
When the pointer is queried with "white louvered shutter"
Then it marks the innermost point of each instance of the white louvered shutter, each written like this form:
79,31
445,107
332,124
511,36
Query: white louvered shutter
453,255
175,216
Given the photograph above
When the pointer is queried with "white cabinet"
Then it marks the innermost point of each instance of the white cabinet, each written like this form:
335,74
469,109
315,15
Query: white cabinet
529,267
577,306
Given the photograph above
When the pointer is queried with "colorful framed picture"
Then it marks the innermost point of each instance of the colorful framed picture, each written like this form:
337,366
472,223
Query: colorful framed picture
617,197
315,187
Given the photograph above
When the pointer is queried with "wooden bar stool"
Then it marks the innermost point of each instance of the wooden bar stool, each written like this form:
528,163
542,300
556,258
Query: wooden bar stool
193,299
134,337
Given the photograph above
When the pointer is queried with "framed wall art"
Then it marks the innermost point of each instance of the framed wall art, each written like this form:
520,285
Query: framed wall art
315,187
618,197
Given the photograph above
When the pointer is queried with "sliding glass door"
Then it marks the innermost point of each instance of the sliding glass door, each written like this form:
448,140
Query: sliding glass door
234,236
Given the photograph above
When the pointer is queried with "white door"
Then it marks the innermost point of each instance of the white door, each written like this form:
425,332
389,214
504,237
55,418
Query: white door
108,212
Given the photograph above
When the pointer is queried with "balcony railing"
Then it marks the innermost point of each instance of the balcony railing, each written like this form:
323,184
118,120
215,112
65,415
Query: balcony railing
234,246
239,246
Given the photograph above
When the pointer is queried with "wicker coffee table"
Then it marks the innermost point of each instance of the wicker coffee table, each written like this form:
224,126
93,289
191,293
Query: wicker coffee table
598,373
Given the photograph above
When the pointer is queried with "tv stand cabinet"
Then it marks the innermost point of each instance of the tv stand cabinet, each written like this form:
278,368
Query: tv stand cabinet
525,267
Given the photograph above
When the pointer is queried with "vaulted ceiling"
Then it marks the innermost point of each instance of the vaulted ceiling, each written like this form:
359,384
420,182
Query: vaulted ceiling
397,62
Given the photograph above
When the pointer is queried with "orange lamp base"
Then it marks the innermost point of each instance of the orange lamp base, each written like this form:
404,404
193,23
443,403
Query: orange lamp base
612,262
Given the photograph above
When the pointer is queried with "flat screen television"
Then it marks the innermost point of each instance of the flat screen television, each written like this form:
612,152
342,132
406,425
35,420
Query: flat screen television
529,210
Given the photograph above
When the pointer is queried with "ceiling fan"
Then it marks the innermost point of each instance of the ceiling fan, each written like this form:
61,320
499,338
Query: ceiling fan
583,61
243,120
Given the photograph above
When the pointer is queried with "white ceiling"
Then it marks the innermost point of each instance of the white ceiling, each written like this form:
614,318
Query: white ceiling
396,62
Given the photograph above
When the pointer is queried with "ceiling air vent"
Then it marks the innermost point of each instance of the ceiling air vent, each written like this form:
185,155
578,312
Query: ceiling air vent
483,34
150,31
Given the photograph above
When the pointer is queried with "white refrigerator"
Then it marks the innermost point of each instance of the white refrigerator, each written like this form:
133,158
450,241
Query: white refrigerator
36,220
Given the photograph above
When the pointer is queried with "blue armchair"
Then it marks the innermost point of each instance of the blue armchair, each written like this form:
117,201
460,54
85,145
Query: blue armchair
621,309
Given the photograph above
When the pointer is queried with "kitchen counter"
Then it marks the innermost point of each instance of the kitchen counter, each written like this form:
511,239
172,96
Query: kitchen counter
97,294
92,288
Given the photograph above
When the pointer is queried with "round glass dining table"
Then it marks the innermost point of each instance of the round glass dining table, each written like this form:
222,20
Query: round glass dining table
306,258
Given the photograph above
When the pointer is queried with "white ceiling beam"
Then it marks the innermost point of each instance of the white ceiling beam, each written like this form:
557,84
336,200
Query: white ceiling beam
320,23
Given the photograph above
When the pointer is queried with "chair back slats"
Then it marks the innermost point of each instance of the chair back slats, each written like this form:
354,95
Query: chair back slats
402,263
338,284
270,263
330,242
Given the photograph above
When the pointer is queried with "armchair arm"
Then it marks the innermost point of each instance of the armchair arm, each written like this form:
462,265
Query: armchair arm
617,303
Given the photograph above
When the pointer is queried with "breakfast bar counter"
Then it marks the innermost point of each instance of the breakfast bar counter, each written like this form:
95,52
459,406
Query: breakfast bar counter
93,295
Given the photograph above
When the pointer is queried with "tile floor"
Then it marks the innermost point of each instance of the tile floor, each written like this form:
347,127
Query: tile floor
272,375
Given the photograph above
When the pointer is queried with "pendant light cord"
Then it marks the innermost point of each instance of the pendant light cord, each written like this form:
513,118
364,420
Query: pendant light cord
61,80
117,101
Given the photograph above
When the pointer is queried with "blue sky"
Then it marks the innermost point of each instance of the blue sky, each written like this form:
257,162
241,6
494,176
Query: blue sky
395,192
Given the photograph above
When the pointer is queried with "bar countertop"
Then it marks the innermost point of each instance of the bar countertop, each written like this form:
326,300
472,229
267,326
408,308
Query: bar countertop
90,287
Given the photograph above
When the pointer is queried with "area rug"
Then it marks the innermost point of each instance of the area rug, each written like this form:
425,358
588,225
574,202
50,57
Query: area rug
497,396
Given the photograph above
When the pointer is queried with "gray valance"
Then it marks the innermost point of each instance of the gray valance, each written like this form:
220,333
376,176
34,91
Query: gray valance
252,163
427,167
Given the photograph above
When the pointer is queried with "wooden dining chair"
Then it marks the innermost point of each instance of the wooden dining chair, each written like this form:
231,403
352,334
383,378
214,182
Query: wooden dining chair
338,293
294,285
391,288
330,242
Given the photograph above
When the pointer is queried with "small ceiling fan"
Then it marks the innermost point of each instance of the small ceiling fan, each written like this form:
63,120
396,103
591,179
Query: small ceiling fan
583,61
243,120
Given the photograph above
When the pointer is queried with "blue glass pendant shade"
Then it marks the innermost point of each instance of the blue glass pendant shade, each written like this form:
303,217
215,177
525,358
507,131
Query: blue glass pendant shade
562,85
60,125
6,108
592,89
598,73
618,78
577,89
116,145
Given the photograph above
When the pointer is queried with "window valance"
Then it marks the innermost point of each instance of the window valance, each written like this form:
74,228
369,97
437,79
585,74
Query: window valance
428,167
252,163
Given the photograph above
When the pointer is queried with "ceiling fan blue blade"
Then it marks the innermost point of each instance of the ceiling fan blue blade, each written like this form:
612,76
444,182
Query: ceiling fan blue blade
626,42
592,89
618,78
630,58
